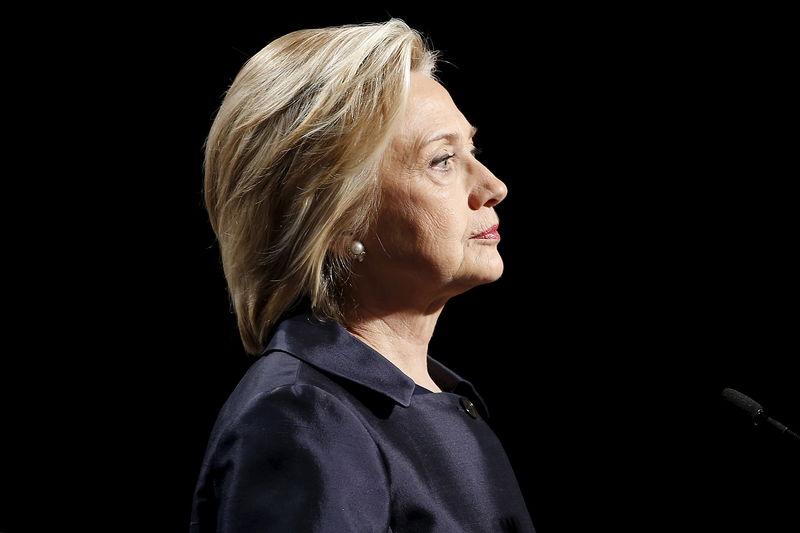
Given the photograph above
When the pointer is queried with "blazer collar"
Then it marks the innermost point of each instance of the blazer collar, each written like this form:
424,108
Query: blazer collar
328,346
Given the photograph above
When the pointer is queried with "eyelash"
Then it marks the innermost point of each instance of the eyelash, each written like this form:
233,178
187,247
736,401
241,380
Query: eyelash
475,151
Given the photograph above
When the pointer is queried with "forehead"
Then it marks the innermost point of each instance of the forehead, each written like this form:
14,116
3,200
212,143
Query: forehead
431,110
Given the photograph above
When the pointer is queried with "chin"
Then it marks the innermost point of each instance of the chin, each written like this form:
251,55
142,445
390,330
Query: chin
494,268
495,273
487,272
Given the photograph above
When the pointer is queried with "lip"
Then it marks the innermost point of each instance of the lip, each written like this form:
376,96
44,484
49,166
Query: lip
489,233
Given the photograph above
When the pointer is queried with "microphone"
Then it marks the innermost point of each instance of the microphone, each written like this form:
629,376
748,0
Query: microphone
756,413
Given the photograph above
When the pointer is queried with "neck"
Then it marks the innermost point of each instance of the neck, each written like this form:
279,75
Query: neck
400,335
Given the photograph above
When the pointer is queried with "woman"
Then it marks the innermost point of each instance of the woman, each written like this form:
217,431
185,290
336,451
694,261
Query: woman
341,176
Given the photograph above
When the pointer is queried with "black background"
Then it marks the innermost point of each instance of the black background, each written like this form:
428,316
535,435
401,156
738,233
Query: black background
649,238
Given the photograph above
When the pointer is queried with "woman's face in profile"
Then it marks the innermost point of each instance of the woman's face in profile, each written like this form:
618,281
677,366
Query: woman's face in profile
437,202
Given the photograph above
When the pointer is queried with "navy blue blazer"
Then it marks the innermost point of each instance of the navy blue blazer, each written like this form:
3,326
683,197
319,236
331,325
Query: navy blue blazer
324,434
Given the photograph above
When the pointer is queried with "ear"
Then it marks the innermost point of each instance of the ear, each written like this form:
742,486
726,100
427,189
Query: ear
340,245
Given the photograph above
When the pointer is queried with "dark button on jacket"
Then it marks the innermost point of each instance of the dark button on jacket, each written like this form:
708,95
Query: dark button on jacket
324,434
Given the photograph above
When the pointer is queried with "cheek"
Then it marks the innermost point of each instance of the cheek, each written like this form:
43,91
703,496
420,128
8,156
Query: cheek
439,224
425,226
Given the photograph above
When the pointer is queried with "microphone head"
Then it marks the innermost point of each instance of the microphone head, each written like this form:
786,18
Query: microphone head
743,402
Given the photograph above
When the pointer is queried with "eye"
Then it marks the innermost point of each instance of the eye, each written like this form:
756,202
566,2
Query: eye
437,163
441,163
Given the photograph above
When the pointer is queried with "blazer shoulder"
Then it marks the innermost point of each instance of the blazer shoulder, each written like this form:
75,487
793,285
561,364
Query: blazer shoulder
283,447
280,389
276,371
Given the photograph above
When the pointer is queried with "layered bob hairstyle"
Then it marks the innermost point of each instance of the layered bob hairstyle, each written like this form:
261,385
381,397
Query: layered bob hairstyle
292,164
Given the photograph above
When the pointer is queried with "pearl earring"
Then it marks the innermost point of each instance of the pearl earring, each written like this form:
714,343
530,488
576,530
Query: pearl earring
357,249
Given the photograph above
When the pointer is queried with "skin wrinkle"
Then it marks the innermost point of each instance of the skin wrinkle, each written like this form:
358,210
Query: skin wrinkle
420,253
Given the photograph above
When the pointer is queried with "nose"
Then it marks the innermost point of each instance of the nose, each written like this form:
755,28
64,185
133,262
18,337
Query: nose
488,191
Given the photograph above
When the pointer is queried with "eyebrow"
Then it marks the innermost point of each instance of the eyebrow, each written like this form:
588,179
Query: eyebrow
450,135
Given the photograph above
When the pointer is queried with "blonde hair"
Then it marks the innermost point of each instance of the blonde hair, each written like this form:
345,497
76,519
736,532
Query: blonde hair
291,163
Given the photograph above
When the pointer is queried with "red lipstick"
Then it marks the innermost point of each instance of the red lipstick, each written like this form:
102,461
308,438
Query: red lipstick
490,233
